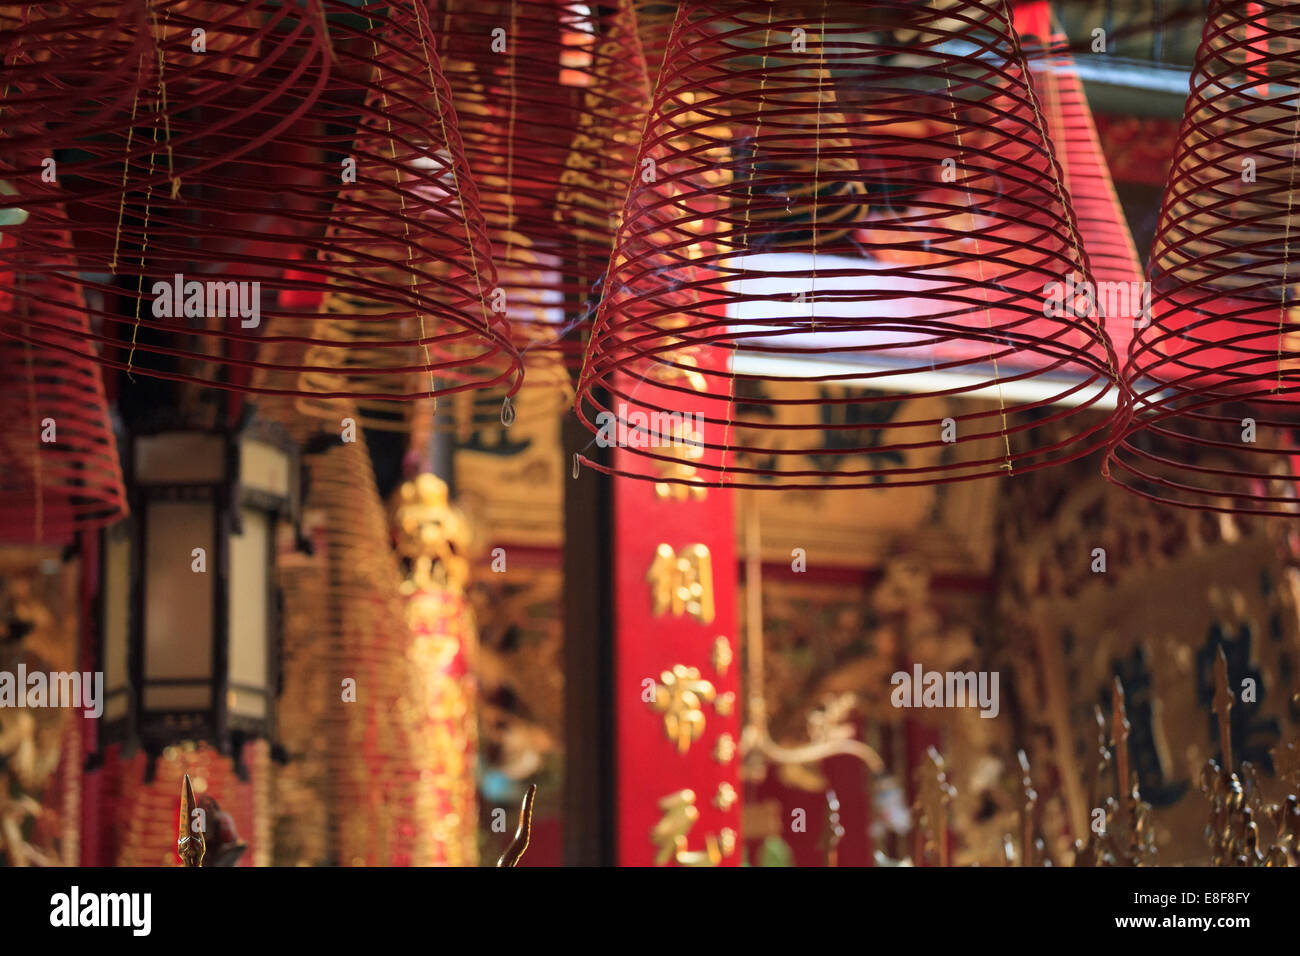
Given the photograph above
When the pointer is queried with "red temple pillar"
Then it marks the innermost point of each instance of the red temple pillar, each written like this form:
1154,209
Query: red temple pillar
676,655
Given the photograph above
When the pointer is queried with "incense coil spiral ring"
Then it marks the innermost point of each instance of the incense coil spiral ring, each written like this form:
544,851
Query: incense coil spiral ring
711,289
76,75
97,57
1212,420
785,180
341,203
59,468
551,98
361,634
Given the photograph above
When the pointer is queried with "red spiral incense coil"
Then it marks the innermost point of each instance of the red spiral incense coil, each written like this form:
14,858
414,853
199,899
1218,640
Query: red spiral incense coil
80,78
337,229
551,96
345,626
59,467
75,67
850,219
654,23
1212,418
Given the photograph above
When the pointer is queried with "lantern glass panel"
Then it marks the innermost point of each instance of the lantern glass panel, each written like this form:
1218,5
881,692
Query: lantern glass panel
264,467
249,610
178,605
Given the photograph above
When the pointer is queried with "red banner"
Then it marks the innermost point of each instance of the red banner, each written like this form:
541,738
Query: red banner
677,701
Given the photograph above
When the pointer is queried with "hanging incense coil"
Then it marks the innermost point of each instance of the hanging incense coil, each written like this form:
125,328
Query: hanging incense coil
551,98
70,71
371,805
339,217
105,88
59,466
349,726
1213,416
351,742
654,24
846,211
1103,232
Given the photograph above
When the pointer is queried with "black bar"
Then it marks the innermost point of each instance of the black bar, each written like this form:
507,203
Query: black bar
589,733
897,906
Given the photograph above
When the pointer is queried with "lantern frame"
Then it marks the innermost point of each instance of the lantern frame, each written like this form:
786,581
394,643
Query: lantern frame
230,476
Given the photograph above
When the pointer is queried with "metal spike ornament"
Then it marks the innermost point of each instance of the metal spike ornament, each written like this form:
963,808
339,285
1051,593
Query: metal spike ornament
515,851
190,844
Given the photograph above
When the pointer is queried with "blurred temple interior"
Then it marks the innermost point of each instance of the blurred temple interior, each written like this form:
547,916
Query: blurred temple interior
644,433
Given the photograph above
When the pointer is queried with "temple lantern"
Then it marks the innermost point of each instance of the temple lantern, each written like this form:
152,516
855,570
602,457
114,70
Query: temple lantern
849,260
1214,376
190,615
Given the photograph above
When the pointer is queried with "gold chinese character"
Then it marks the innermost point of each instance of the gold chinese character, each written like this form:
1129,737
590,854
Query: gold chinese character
726,797
722,656
672,487
727,841
725,704
670,834
680,696
725,749
682,583
687,447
